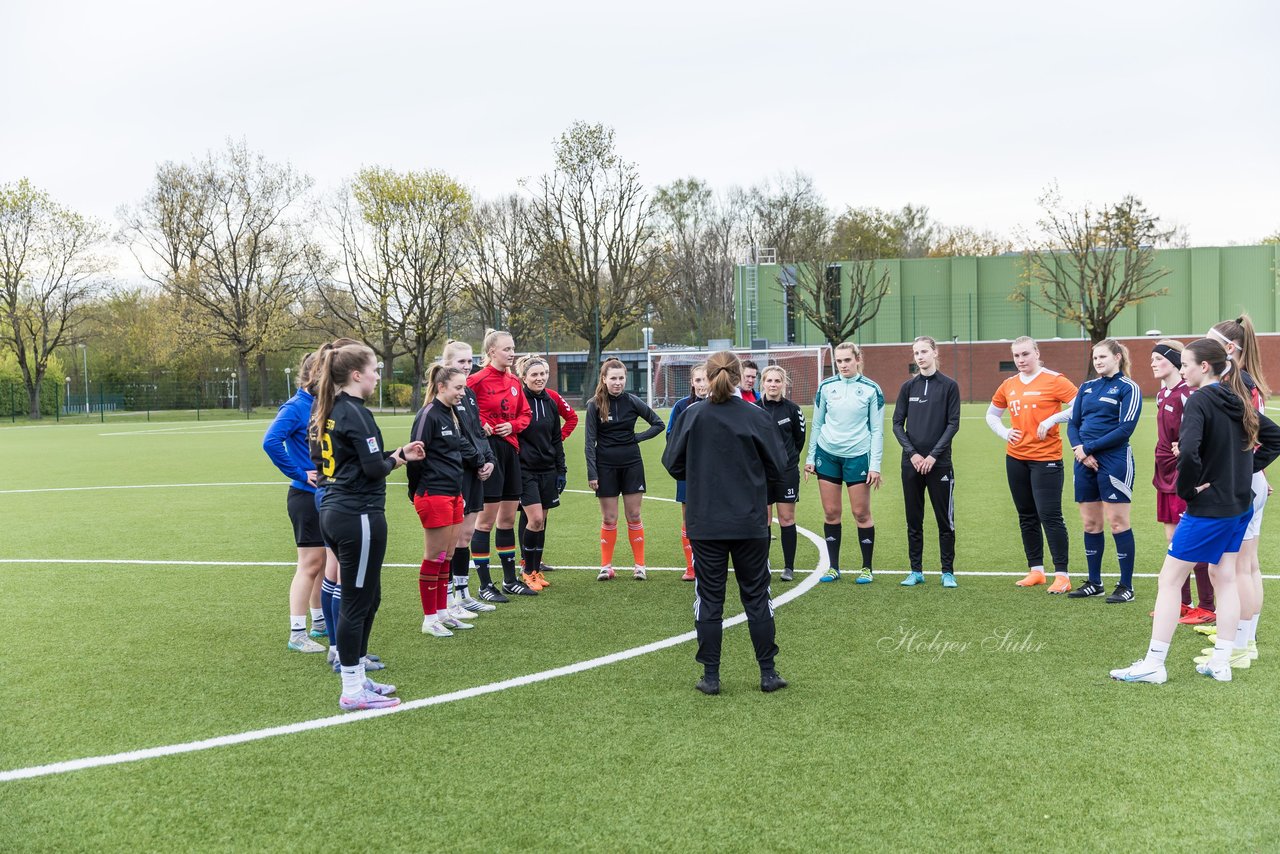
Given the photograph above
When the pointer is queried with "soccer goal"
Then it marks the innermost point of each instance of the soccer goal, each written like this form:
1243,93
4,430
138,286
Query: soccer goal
669,370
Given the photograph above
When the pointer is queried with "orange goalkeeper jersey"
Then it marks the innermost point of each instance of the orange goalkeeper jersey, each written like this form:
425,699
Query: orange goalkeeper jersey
1029,404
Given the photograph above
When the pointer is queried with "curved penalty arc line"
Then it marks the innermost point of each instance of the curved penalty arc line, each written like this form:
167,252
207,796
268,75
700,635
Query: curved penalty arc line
68,766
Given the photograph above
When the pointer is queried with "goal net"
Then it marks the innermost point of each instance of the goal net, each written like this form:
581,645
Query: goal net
670,369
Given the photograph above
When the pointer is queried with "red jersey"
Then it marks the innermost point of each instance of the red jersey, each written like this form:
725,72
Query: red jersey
1169,405
568,418
501,399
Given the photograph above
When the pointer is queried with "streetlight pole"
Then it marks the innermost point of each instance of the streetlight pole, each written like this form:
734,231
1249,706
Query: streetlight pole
84,351
66,401
288,389
379,386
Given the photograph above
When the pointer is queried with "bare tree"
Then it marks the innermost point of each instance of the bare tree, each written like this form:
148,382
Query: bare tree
502,276
218,236
593,224
48,275
700,234
815,283
779,214
1088,265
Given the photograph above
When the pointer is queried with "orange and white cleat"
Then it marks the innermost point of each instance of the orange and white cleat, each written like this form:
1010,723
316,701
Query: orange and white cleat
530,580
1061,584
1033,578
541,579
688,575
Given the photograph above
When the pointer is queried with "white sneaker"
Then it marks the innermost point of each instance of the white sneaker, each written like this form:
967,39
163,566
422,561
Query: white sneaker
475,606
606,573
432,626
639,573
332,655
1220,672
459,612
455,623
299,642
1140,671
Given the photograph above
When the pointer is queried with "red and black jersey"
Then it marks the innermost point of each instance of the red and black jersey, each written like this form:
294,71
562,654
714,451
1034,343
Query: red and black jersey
1169,405
500,396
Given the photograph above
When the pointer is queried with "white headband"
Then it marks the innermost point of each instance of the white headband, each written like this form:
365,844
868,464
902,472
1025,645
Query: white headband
1214,333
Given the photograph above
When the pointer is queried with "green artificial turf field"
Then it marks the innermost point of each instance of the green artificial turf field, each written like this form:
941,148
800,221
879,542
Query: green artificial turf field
980,718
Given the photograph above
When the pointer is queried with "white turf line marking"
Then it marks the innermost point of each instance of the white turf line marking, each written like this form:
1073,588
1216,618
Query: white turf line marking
72,561
141,486
465,694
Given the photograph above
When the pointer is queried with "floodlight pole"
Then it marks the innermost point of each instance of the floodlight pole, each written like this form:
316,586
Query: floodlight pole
288,389
84,351
379,386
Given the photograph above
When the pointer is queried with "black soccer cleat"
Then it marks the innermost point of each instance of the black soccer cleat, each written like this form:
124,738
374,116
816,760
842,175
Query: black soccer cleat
708,685
770,682
489,593
1121,594
787,574
545,568
1086,590
517,588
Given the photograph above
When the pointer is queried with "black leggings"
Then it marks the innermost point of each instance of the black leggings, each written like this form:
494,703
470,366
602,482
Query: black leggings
360,542
1036,488
940,483
751,568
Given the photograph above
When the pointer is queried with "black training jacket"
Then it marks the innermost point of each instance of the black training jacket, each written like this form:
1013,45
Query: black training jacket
351,459
1210,451
791,427
541,445
927,416
447,449
468,410
728,454
615,442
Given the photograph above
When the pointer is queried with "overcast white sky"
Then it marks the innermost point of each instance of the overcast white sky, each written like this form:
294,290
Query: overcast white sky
969,108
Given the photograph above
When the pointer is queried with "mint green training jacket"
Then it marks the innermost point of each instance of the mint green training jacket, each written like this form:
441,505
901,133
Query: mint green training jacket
848,419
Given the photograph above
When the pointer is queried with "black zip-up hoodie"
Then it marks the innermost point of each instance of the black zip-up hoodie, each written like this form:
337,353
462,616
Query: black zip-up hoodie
1210,451
791,427
927,416
541,448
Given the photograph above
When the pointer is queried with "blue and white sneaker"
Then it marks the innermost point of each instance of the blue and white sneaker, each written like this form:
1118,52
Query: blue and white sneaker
319,630
913,578
366,699
1140,671
372,662
949,580
866,577
831,574
1217,672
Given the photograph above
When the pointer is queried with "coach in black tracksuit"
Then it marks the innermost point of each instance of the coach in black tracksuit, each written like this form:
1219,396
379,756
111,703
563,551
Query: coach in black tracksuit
729,453
925,421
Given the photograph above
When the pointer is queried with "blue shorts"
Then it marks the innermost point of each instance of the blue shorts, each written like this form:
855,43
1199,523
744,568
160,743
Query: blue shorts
1112,482
846,470
1199,539
681,490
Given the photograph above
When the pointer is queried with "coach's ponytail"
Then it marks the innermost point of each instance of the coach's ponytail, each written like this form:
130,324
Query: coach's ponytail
601,397
1228,373
1115,348
724,374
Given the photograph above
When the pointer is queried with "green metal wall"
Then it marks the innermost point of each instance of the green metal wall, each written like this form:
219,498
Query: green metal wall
968,298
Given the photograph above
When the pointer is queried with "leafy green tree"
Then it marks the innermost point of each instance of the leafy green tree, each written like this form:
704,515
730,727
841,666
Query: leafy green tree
700,232
49,273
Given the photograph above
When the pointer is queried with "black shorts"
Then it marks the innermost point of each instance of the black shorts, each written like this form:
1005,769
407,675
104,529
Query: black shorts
472,492
540,488
790,491
505,484
620,480
305,518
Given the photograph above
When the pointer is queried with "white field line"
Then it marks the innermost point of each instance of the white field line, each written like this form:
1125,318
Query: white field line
71,561
141,486
179,432
353,717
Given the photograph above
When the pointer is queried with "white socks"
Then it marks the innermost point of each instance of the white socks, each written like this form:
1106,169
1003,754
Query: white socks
297,622
1242,635
1157,652
1221,653
352,680
317,615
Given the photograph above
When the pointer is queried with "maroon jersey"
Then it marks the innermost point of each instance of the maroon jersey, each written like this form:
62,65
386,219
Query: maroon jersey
1169,405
